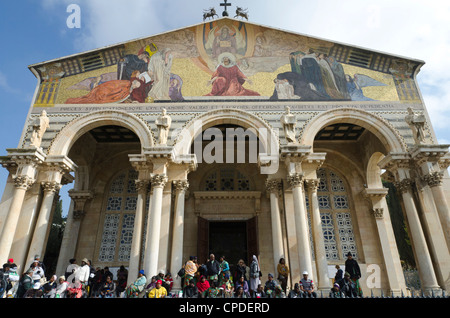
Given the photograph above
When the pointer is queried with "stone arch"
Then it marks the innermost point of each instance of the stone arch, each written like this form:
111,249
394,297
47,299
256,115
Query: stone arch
64,140
247,120
374,172
387,134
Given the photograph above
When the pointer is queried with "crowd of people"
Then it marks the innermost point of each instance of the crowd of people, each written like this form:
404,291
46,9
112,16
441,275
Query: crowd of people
212,279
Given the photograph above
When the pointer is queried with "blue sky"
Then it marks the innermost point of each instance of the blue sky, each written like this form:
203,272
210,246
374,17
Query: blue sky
33,31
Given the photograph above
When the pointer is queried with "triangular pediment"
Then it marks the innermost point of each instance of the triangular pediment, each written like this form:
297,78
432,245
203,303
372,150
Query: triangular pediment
228,59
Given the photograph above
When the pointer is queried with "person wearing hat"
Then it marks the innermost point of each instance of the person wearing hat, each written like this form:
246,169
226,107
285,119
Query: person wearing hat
61,287
336,292
352,267
296,292
159,291
25,283
269,286
137,286
38,271
348,287
190,291
82,273
307,286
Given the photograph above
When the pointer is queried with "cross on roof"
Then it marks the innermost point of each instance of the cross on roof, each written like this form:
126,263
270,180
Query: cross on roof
225,5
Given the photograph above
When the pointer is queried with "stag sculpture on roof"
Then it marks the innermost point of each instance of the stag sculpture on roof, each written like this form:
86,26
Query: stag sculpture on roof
210,13
241,13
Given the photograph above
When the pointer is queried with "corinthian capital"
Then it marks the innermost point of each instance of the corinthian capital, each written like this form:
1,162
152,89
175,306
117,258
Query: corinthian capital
141,185
434,179
159,180
181,185
377,213
313,184
23,182
295,180
51,186
404,185
273,185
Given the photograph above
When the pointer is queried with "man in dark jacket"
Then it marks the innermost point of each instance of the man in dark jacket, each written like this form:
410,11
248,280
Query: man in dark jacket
25,283
212,269
352,267
190,291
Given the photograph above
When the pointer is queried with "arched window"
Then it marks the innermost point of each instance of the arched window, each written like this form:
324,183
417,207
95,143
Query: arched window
335,212
118,223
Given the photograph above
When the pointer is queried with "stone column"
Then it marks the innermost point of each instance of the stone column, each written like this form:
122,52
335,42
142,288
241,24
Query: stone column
434,181
50,188
295,180
136,244
22,184
273,187
319,244
176,263
158,182
71,232
427,273
394,271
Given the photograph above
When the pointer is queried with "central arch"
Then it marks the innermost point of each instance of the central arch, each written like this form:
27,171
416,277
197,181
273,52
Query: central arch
247,120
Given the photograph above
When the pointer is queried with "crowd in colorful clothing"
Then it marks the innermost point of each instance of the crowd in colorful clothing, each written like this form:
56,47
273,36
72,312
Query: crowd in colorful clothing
213,279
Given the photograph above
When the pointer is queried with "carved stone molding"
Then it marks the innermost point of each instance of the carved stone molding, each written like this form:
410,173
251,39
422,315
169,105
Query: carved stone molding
78,214
239,204
434,179
51,186
295,180
312,184
377,213
181,185
273,185
141,185
404,186
79,199
159,180
23,182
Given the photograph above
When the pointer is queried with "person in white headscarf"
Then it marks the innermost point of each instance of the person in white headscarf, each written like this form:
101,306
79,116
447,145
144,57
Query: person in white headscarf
255,273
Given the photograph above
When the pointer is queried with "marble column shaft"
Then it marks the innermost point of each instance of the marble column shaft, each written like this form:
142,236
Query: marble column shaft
152,243
295,180
319,244
181,186
22,184
136,243
422,253
43,221
274,188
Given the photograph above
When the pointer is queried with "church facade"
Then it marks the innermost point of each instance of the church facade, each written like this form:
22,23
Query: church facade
234,139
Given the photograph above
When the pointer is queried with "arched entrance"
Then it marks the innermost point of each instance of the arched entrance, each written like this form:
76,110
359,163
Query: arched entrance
101,216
